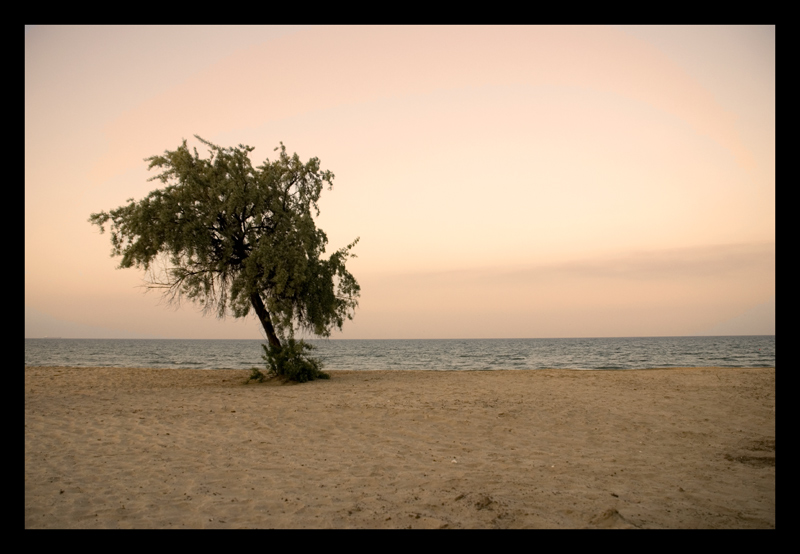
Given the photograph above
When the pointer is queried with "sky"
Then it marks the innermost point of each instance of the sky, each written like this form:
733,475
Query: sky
505,182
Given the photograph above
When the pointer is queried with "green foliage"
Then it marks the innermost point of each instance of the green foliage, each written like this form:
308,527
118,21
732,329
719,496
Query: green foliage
291,362
232,237
256,375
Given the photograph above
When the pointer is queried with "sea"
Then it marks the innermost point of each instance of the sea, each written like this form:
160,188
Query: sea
422,354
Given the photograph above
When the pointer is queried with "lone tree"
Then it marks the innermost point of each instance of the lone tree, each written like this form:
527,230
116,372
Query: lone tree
232,237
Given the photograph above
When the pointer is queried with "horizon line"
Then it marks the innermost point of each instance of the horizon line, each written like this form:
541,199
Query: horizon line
451,338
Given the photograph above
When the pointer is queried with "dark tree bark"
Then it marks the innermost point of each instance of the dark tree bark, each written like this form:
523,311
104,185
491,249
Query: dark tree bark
263,317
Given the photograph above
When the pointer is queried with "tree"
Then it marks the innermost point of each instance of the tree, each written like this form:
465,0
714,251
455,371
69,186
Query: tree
232,237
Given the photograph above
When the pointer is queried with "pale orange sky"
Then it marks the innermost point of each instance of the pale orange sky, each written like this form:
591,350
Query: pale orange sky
505,181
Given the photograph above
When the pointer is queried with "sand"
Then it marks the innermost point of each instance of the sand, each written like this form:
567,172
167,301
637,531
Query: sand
153,448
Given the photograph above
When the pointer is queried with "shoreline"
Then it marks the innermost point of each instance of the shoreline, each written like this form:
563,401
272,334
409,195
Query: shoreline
197,448
336,370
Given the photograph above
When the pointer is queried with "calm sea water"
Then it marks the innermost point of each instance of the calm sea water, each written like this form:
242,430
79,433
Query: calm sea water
445,354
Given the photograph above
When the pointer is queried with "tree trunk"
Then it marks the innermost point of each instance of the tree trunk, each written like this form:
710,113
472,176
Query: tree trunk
263,317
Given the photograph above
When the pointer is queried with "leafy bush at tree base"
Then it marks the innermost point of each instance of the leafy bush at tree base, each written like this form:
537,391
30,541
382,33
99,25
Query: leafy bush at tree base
290,362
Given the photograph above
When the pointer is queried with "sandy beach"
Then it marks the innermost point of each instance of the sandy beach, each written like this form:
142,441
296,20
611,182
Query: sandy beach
155,448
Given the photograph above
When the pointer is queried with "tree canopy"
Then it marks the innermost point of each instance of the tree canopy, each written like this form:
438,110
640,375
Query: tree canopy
232,237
